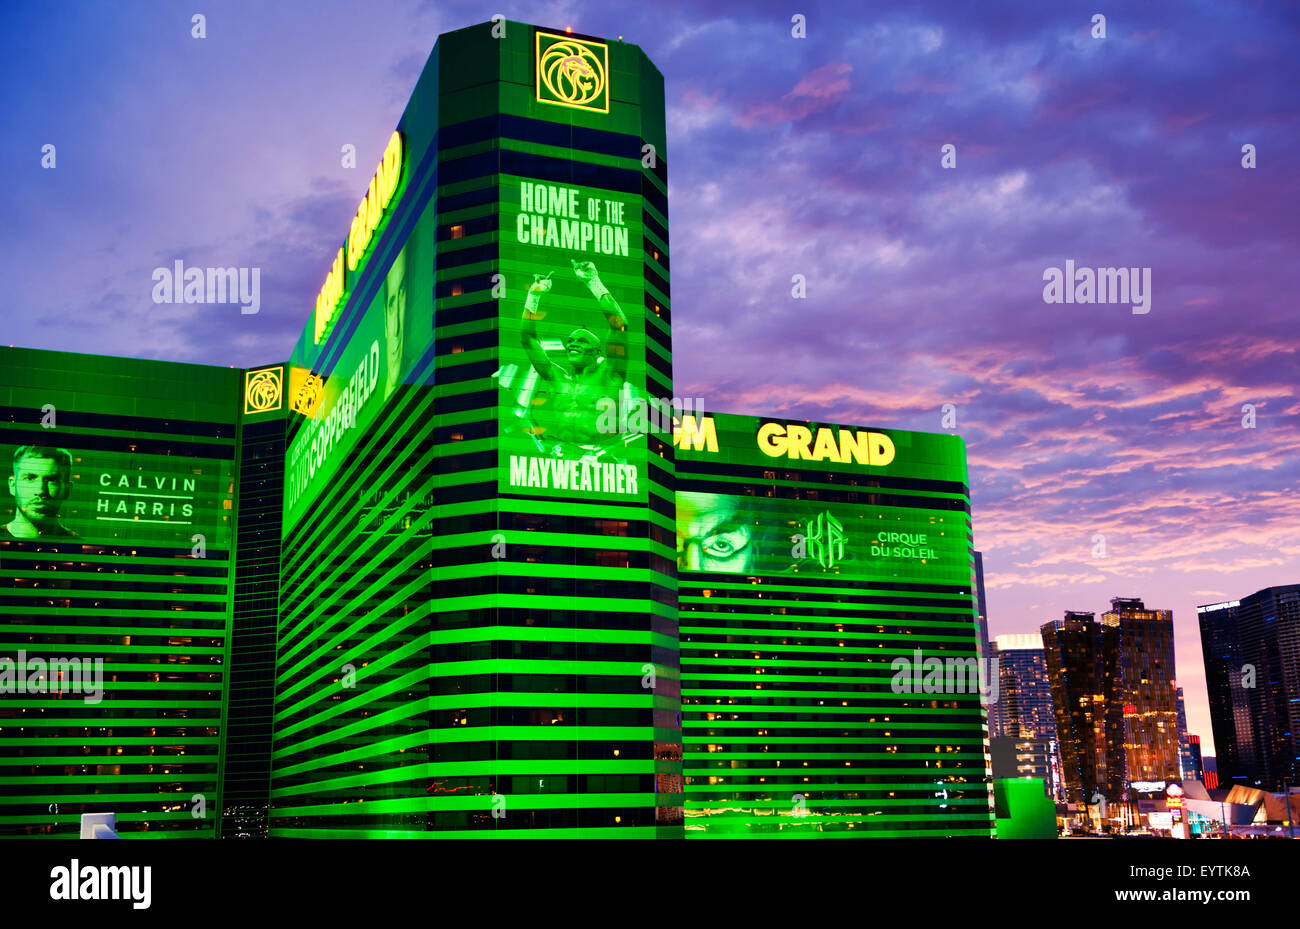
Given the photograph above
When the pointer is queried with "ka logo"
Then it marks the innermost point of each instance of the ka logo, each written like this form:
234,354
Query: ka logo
572,72
826,540
262,390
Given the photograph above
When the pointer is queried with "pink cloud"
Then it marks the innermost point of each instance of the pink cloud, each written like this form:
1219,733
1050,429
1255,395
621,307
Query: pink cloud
817,90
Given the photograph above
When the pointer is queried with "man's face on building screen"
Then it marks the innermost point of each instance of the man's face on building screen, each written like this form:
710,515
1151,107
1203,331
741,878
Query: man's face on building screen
582,347
39,487
711,536
395,316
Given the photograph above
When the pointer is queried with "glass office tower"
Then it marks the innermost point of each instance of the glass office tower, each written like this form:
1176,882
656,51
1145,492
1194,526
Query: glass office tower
1082,661
1023,716
824,570
1225,669
1024,707
1252,670
1146,688
117,523
1185,764
478,617
1114,697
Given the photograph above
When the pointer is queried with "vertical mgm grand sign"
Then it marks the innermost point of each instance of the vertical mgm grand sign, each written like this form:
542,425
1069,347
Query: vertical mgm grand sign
372,209
370,322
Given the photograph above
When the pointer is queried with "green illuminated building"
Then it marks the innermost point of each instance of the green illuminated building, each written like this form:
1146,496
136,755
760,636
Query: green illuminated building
117,591
817,562
437,588
477,626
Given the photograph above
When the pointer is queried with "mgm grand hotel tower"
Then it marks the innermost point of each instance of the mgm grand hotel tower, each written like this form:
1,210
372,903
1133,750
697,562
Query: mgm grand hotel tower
459,565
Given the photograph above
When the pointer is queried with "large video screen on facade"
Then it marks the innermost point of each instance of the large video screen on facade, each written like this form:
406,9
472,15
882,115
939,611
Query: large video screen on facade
572,379
730,534
58,493
820,499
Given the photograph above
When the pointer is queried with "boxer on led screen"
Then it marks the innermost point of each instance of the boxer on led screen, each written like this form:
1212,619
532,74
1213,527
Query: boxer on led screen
566,408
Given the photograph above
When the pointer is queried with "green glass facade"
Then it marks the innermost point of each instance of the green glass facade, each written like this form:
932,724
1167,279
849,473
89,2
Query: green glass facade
464,647
115,616
802,579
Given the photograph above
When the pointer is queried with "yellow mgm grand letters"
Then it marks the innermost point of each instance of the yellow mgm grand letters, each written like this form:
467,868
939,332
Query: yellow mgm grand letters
794,441
377,199
701,437
328,297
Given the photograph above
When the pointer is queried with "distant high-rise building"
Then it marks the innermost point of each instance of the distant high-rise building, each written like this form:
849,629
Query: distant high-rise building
1145,687
1013,757
1197,770
1210,776
1113,693
1189,746
1252,671
1184,745
1024,707
1081,656
1229,712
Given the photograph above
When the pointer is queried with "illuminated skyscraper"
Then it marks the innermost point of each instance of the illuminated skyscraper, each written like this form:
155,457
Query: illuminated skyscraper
1082,657
820,566
478,614
118,589
1024,707
1145,686
421,578
1113,692
1252,670
1023,713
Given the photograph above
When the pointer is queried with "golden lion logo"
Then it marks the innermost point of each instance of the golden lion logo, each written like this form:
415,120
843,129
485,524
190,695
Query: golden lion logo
571,72
262,390
309,395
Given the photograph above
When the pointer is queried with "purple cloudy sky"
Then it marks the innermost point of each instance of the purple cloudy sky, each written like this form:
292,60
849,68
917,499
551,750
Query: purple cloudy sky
816,156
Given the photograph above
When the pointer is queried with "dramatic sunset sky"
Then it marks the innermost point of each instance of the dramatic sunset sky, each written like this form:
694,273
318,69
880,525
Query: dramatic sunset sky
816,156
